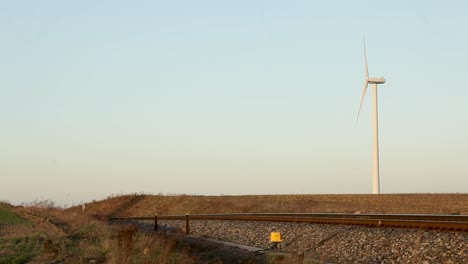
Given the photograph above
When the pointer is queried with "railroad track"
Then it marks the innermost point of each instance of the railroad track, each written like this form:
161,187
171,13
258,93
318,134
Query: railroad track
457,223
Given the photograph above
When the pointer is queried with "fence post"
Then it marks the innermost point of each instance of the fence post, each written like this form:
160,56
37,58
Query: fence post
187,226
155,222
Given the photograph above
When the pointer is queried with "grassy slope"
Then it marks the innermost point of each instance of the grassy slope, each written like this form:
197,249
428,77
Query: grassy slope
7,217
40,235
15,246
53,235
139,205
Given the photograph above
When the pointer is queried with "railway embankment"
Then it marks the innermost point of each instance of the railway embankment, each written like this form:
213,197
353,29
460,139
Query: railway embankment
335,243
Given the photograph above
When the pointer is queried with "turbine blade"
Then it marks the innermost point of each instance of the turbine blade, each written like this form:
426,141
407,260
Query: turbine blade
362,99
365,58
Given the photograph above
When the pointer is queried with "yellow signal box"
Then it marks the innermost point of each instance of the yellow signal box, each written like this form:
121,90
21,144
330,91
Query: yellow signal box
275,237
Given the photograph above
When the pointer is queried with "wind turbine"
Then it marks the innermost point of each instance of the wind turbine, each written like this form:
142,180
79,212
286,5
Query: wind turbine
375,125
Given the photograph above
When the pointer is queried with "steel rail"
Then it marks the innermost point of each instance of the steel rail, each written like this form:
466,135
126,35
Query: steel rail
411,221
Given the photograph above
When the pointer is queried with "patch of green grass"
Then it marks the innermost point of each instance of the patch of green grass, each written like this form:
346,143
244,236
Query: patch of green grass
7,217
19,250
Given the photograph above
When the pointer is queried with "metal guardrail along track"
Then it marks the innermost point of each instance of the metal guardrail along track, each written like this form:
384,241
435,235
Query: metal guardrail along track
412,221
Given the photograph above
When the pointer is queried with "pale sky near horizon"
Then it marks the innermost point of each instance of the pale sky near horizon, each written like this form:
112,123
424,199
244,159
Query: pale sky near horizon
229,97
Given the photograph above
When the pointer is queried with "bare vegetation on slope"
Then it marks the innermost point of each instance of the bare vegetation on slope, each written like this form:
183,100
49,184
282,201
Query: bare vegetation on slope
138,205
45,233
53,235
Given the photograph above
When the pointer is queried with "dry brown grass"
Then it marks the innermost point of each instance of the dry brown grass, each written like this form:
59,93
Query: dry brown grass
51,234
138,205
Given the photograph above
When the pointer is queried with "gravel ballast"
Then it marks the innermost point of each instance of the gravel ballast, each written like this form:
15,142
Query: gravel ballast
337,243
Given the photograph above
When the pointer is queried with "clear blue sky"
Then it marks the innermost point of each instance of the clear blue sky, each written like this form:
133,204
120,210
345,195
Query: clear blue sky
229,97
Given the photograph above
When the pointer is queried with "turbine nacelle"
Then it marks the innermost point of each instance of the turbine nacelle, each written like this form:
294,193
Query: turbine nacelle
367,80
376,80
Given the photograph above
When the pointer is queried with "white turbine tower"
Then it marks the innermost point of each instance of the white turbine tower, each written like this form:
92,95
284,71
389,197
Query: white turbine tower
375,126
